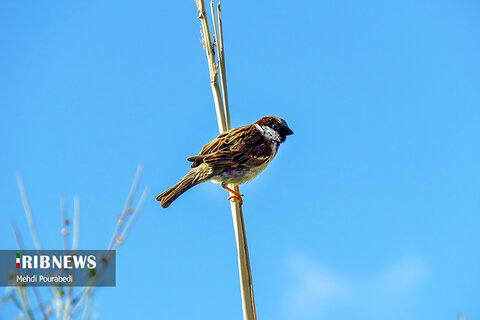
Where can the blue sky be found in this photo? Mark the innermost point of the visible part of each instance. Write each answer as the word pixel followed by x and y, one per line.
pixel 370 211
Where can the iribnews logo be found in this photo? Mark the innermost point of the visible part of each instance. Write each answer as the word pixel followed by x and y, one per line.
pixel 44 268
pixel 39 261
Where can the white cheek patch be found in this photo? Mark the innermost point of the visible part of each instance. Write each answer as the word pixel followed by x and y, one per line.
pixel 271 134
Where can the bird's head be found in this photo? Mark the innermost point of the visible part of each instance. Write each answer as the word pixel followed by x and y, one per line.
pixel 274 128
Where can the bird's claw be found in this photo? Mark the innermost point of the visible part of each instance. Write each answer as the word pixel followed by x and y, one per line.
pixel 237 196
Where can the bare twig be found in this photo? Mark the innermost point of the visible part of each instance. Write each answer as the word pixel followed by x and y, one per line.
pixel 16 302
pixel 17 235
pixel 82 298
pixel 130 223
pixel 66 307
pixel 65 222
pixel 86 311
pixel 127 209
pixel 223 118
pixel 76 223
pixel 35 291
pixel 76 236
pixel 23 294
pixel 28 212
pixel 123 236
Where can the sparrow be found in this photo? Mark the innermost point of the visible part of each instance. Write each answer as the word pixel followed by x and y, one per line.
pixel 234 157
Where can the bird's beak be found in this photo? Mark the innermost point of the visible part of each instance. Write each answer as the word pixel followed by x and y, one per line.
pixel 287 131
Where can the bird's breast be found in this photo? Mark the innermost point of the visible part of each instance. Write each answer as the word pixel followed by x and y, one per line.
pixel 239 175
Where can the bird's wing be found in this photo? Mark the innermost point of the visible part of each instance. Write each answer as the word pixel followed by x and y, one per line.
pixel 244 146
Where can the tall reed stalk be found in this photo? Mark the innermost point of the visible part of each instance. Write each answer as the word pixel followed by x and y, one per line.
pixel 223 117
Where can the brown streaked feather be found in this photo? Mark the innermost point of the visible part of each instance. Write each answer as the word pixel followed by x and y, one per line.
pixel 244 146
pixel 191 179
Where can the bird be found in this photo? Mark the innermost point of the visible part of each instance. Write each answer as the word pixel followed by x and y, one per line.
pixel 236 156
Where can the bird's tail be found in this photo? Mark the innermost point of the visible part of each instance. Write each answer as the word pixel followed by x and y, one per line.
pixel 195 176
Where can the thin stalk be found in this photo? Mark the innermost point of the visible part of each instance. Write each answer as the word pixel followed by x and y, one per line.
pixel 136 213
pixel 35 291
pixel 28 212
pixel 221 63
pixel 223 119
pixel 16 302
pixel 76 235
pixel 124 234
pixel 22 292
pixel 212 66
pixel 246 283
pixel 127 208
pixel 76 223
pixel 82 298
pixel 65 222
pixel 86 311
